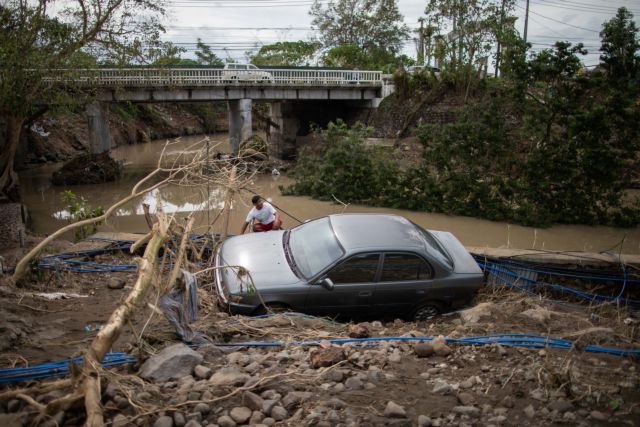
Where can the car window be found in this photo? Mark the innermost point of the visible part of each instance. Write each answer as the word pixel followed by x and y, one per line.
pixel 314 246
pixel 242 67
pixel 400 267
pixel 357 269
pixel 252 67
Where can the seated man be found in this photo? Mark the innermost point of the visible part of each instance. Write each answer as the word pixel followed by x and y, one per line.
pixel 266 216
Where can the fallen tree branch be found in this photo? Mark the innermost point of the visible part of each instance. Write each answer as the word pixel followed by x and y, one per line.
pixel 110 332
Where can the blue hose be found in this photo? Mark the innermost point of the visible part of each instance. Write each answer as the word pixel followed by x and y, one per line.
pixel 511 340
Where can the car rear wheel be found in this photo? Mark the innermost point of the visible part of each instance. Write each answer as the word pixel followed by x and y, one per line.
pixel 426 311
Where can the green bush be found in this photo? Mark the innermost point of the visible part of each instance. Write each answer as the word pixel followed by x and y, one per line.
pixel 347 169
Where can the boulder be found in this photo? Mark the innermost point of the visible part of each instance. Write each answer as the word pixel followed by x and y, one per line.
pixel 423 349
pixel 295 398
pixel 324 357
pixel 230 376
pixel 173 362
pixel 393 410
pixel 358 331
pixel 240 414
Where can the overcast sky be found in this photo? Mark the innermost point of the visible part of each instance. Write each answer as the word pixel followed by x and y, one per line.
pixel 240 25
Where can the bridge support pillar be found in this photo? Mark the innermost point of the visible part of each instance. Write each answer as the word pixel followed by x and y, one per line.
pixel 283 130
pixel 99 133
pixel 239 123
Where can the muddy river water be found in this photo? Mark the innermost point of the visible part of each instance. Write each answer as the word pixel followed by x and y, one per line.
pixel 48 212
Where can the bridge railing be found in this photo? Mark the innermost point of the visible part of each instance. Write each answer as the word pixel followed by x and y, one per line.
pixel 216 77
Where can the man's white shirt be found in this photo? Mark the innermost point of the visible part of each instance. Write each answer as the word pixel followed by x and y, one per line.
pixel 265 215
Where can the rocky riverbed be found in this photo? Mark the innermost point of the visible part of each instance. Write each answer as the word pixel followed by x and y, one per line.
pixel 388 382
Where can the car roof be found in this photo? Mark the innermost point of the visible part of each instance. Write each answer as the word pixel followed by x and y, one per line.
pixel 376 231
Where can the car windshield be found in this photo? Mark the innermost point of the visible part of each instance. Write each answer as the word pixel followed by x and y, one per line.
pixel 314 246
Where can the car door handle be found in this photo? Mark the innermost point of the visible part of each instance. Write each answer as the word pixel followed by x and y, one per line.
pixel 365 293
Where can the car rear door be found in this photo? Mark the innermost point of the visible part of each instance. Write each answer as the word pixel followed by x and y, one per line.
pixel 405 280
pixel 354 286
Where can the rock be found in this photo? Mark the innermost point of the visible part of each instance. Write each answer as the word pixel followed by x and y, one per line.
pixel 474 314
pixel 88 169
pixel 324 357
pixel 600 416
pixel 175 361
pixel 468 383
pixel 335 403
pixel 178 419
pixel 267 405
pixel 229 376
pixel 226 421
pixel 423 349
pixel 240 414
pixel 393 410
pixel 442 387
pixel 538 394
pixel 466 399
pixel 203 408
pixel 440 348
pixel 395 357
pixel 120 421
pixel 470 411
pixel 13 405
pixel 424 421
pixel 560 406
pixel 295 398
pixel 335 375
pixel 202 372
pixel 165 421
pixel 252 400
pixel 278 413
pixel 353 383
pixel 530 412
pixel 256 417
pixel 269 421
pixel 358 331
pixel 116 283
pixel 507 402
pixel 376 325
pixel 253 367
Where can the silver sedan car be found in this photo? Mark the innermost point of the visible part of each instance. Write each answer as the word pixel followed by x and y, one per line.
pixel 350 264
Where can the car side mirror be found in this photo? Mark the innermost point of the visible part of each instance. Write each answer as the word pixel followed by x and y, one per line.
pixel 327 284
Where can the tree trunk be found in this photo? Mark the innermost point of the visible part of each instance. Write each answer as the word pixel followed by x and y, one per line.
pixel 8 178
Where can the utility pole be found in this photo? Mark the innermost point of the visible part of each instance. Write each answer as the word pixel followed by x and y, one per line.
pixel 500 33
pixel 526 22
pixel 421 42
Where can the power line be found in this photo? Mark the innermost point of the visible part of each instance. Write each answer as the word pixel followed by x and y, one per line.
pixel 576 8
pixel 560 22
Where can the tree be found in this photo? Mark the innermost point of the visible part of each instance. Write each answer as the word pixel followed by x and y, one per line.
pixel 36 40
pixel 205 56
pixel 363 23
pixel 620 48
pixel 289 54
pixel 466 31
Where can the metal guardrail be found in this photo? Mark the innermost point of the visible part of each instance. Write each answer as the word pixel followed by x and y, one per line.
pixel 149 77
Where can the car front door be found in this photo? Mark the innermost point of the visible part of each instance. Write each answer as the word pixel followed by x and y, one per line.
pixel 353 290
pixel 405 280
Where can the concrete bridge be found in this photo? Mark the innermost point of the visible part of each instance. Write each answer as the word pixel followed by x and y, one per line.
pixel 288 91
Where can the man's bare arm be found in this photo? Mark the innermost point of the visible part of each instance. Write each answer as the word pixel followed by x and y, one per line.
pixel 244 227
